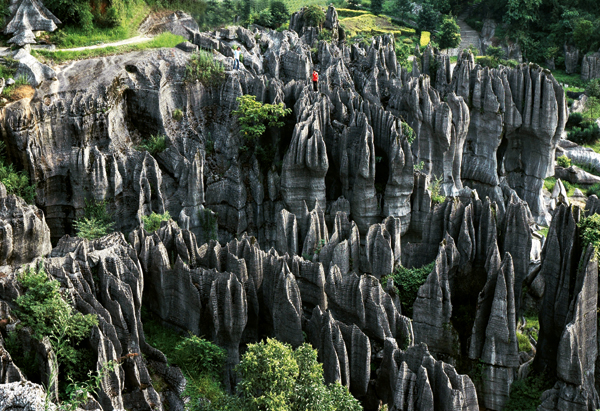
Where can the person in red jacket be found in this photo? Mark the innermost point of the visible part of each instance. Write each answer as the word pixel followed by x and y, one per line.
pixel 315 80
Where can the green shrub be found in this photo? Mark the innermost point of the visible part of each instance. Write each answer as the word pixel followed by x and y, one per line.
pixel 435 188
pixel 16 182
pixel 204 68
pixel 275 377
pixel 408 132
pixel 526 394
pixel 574 120
pixel 154 145
pixel 495 52
pixel 152 221
pixel 252 116
pixel 594 190
pixel 563 161
pixel 593 88
pixel 590 231
pixel 407 282
pixel 314 15
pixel 549 183
pixel 589 133
pixel 96 221
pixel 177 114
pixel 197 356
pixel 523 340
pixel 42 308
pixel 325 35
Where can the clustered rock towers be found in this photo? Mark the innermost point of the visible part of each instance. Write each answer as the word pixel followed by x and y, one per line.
pixel 305 241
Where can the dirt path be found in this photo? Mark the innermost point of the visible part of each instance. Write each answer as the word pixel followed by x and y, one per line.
pixel 132 40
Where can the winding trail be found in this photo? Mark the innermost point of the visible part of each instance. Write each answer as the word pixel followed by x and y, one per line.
pixel 131 40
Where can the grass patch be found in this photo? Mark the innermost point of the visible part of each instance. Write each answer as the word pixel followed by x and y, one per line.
pixel 163 40
pixel 572 80
pixel 369 24
pixel 70 37
pixel 549 183
pixel 204 68
pixel 544 231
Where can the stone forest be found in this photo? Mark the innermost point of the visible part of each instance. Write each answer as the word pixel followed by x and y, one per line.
pixel 236 205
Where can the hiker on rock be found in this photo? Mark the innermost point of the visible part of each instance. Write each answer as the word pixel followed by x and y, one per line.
pixel 315 80
pixel 236 58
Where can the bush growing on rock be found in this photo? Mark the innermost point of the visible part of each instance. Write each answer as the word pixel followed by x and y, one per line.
pixel 204 68
pixel 42 308
pixel 588 133
pixel 314 15
pixel 590 231
pixel 449 36
pixel 96 221
pixel 16 182
pixel 407 282
pixel 154 145
pixel 574 120
pixel 152 221
pixel 563 161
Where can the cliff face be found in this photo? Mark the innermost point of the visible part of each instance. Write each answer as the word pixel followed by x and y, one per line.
pixel 305 237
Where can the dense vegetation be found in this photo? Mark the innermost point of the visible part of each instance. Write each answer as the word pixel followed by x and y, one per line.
pixel 43 309
pixel 407 282
pixel 96 222
pixel 16 182
pixel 273 375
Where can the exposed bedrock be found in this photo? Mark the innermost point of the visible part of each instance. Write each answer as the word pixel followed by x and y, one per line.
pixel 568 342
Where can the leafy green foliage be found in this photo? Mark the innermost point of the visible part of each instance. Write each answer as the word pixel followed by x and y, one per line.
pixel 407 282
pixel 449 33
pixel 526 394
pixel 523 341
pixel 204 68
pixel 574 120
pixel 154 145
pixel 197 356
pixel 16 182
pixel 408 132
pixel 152 221
pixel 435 188
pixel 428 17
pixel 590 231
pixel 77 393
pixel 254 117
pixel 376 6
pixel 274 377
pixel 594 190
pixel 96 221
pixel 42 308
pixel 279 12
pixel 563 161
pixel 588 133
pixel 549 183
pixel 177 114
pixel 314 15
pixel 593 88
pixel 584 30
pixel 495 52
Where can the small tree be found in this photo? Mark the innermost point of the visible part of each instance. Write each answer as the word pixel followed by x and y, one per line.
pixel 449 35
pixel 402 8
pixel 376 6
pixel 279 13
pixel 314 15
pixel 428 17
pixel 275 377
pixel 254 116
pixel 495 52
pixel 582 34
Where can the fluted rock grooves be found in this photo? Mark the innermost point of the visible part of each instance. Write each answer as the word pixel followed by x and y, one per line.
pixel 305 242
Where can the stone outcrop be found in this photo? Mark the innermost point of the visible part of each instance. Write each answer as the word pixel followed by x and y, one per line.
pixel 26 17
pixel 590 67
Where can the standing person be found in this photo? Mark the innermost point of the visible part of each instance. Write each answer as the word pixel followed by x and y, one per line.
pixel 236 58
pixel 315 80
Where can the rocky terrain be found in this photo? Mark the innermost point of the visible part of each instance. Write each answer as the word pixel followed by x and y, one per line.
pixel 295 249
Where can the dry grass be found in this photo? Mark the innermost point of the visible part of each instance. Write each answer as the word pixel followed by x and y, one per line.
pixel 20 92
